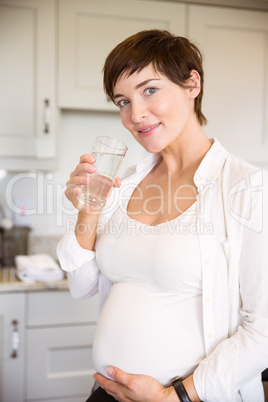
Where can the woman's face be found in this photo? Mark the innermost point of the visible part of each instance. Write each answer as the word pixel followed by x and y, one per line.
pixel 154 109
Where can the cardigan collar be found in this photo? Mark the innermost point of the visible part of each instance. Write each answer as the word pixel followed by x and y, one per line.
pixel 211 165
pixel 208 170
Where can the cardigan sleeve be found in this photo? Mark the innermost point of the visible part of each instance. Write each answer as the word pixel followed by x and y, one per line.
pixel 80 265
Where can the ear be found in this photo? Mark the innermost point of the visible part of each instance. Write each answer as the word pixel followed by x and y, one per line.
pixel 194 84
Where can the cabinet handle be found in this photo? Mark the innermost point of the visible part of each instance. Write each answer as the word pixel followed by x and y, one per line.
pixel 47 116
pixel 15 341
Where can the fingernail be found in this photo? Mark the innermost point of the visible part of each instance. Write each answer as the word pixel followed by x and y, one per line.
pixel 110 371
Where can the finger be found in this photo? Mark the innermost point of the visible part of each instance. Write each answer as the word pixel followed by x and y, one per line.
pixel 83 168
pixel 105 382
pixel 111 387
pixel 87 158
pixel 73 194
pixel 117 182
pixel 78 181
pixel 118 375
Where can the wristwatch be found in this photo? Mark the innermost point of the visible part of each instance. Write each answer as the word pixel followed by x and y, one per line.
pixel 180 390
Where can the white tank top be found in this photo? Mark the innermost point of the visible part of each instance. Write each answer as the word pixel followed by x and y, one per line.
pixel 152 320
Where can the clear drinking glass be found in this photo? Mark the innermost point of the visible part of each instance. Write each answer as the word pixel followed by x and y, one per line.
pixel 109 153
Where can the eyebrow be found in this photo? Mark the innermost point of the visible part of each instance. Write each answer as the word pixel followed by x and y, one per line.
pixel 139 85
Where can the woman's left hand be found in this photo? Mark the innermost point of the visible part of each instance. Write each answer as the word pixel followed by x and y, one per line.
pixel 134 387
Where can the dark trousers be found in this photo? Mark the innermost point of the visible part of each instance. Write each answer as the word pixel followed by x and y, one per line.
pixel 100 395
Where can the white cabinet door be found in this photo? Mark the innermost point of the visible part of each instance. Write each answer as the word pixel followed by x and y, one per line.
pixel 11 347
pixel 27 79
pixel 89 29
pixel 60 334
pixel 59 362
pixel 235 48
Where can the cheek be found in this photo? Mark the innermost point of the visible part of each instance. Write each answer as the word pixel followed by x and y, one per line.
pixel 125 120
pixel 163 108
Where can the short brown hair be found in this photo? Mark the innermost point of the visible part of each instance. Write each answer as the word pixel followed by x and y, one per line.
pixel 170 55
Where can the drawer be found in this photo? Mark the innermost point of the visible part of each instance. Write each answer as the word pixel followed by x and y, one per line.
pixel 59 362
pixel 59 308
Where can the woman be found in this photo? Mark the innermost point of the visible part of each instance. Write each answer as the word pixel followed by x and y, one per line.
pixel 178 253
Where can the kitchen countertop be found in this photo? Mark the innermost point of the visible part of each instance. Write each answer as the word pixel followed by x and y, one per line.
pixel 10 283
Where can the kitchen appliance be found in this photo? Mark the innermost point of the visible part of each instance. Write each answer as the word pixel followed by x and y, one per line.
pixel 13 242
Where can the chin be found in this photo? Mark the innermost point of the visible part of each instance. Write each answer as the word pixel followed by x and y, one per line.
pixel 152 146
pixel 153 149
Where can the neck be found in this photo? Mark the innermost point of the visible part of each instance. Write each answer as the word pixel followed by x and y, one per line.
pixel 186 152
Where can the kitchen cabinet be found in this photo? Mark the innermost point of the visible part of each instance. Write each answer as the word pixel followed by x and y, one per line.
pixel 88 31
pixel 27 84
pixel 11 347
pixel 54 360
pixel 60 332
pixel 235 48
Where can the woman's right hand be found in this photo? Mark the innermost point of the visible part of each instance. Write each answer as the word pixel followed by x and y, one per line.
pixel 79 177
pixel 86 225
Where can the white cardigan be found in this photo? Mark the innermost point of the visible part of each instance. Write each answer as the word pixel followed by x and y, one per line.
pixel 232 212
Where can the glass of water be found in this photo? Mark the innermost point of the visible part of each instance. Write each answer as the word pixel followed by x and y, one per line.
pixel 109 153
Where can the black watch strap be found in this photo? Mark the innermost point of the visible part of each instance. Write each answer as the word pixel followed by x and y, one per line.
pixel 180 390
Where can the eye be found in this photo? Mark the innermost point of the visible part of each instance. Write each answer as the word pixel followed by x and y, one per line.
pixel 150 91
pixel 122 103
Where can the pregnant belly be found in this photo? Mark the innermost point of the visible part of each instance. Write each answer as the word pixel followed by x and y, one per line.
pixel 140 331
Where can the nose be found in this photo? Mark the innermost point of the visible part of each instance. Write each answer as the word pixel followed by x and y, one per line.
pixel 138 111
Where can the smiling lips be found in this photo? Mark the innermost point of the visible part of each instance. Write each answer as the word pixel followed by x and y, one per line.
pixel 148 130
